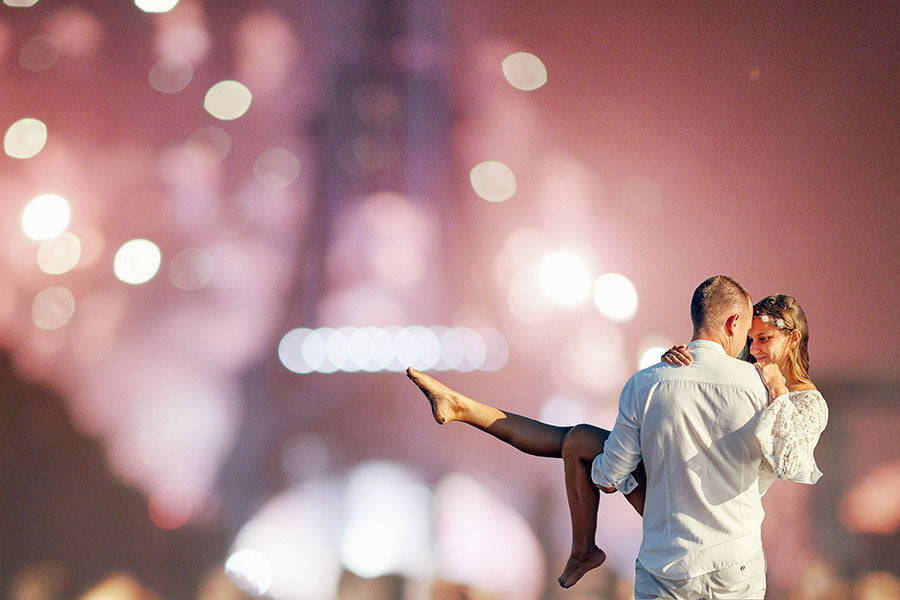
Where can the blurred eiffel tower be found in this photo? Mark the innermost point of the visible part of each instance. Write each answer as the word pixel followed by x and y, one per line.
pixel 382 126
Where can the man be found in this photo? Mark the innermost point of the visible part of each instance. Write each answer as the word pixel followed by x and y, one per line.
pixel 693 428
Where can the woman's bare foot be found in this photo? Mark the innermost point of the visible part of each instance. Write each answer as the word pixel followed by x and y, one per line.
pixel 446 404
pixel 576 567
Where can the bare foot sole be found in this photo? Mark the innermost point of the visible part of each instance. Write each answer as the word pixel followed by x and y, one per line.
pixel 576 567
pixel 444 401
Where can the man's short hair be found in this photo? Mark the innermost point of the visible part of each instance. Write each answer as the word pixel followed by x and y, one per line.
pixel 717 298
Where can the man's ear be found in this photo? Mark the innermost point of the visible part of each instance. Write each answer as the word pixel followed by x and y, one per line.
pixel 731 323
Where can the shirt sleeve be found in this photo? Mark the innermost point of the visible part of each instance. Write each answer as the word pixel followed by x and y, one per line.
pixel 788 431
pixel 622 450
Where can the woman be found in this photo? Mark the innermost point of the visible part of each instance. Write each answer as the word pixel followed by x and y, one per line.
pixel 787 430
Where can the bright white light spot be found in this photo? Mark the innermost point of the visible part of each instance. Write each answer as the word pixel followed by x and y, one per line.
pixel 428 345
pixel 384 349
pixel 407 351
pixel 20 3
pixel 137 261
pixel 191 269
pixel 388 522
pixel 493 181
pixel 227 100
pixel 276 168
pixel 336 348
pixel 53 307
pixel 351 349
pixel 25 138
pixel 60 254
pixel 452 350
pixel 564 278
pixel 314 350
pixel 208 145
pixel 290 350
pixel 524 71
pixel 473 348
pixel 360 348
pixel 155 6
pixel 170 74
pixel 251 570
pixel 615 296
pixel 45 217
pixel 651 356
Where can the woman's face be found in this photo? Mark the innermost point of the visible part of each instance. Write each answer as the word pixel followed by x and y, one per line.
pixel 768 343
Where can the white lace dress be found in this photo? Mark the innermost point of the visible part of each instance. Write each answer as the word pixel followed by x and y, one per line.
pixel 788 431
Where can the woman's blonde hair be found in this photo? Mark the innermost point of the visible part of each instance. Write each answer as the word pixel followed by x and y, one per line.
pixel 783 312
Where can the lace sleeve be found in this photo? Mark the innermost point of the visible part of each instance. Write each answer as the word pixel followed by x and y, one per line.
pixel 788 430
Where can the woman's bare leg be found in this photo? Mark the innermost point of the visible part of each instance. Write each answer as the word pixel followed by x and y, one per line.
pixel 577 446
pixel 527 435
pixel 581 445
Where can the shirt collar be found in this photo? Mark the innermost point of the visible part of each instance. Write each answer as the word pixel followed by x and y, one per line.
pixel 714 346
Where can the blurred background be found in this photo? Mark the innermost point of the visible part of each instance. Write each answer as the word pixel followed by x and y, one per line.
pixel 227 227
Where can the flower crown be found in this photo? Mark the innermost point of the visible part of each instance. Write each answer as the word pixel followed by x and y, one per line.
pixel 779 323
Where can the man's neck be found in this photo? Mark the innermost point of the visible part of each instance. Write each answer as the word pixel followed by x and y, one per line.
pixel 711 337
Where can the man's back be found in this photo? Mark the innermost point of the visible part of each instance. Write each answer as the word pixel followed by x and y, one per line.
pixel 702 509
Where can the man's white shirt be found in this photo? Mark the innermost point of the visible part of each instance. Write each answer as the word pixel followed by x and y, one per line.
pixel 693 427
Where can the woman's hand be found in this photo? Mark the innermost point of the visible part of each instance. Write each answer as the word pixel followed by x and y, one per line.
pixel 678 356
pixel 773 379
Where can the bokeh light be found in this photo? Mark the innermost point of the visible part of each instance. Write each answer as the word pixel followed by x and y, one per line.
pixel 53 307
pixel 39 53
pixel 565 277
pixel 227 100
pixel 118 586
pixel 25 138
pixel 251 570
pixel 276 168
pixel 184 34
pixel 564 410
pixel 483 542
pixel 872 504
pixel 20 3
pixel 651 356
pixel 137 261
pixel 208 145
pixel 524 71
pixel 45 217
pixel 191 269
pixel 351 349
pixel 60 254
pixel 78 32
pixel 170 74
pixel 493 181
pixel 615 297
pixel 166 513
pixel 387 528
pixel 156 6
pixel 292 544
pixel 593 358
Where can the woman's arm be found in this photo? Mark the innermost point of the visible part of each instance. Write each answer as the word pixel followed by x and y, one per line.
pixel 678 356
pixel 788 431
pixel 773 379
